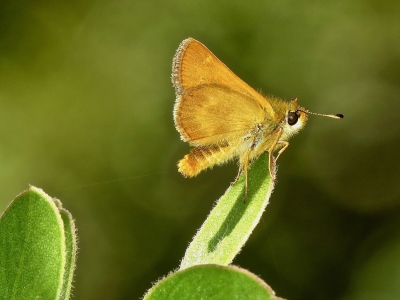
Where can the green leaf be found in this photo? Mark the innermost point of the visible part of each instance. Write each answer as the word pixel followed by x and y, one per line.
pixel 232 220
pixel 211 282
pixel 71 248
pixel 35 260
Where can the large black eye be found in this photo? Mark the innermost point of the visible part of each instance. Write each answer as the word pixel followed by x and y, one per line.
pixel 292 118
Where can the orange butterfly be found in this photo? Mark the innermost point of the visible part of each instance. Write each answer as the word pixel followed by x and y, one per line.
pixel 223 118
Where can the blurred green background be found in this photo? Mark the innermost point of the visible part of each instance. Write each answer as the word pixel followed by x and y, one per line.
pixel 86 114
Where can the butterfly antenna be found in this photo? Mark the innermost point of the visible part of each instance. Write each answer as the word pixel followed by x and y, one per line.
pixel 334 116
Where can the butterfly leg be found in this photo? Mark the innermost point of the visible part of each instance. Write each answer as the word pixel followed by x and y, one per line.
pixel 247 162
pixel 271 159
pixel 237 176
pixel 246 168
pixel 285 145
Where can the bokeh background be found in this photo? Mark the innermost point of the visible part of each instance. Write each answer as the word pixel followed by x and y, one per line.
pixel 86 114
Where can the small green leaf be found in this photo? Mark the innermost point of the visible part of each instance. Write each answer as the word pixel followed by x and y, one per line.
pixel 33 248
pixel 71 248
pixel 232 220
pixel 211 282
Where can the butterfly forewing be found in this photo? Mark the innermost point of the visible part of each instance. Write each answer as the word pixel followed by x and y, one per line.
pixel 195 65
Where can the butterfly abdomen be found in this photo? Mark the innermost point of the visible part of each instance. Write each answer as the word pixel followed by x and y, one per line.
pixel 201 158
